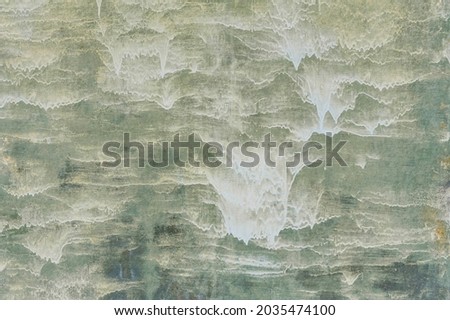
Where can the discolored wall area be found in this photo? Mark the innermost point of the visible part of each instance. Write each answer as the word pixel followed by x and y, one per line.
pixel 76 74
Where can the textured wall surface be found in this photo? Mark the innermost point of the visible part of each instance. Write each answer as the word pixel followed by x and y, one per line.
pixel 77 73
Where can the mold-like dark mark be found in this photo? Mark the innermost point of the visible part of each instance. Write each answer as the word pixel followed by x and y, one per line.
pixel 348 200
pixel 160 231
pixel 418 281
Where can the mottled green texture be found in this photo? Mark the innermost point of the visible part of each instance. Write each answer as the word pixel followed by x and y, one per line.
pixel 75 74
